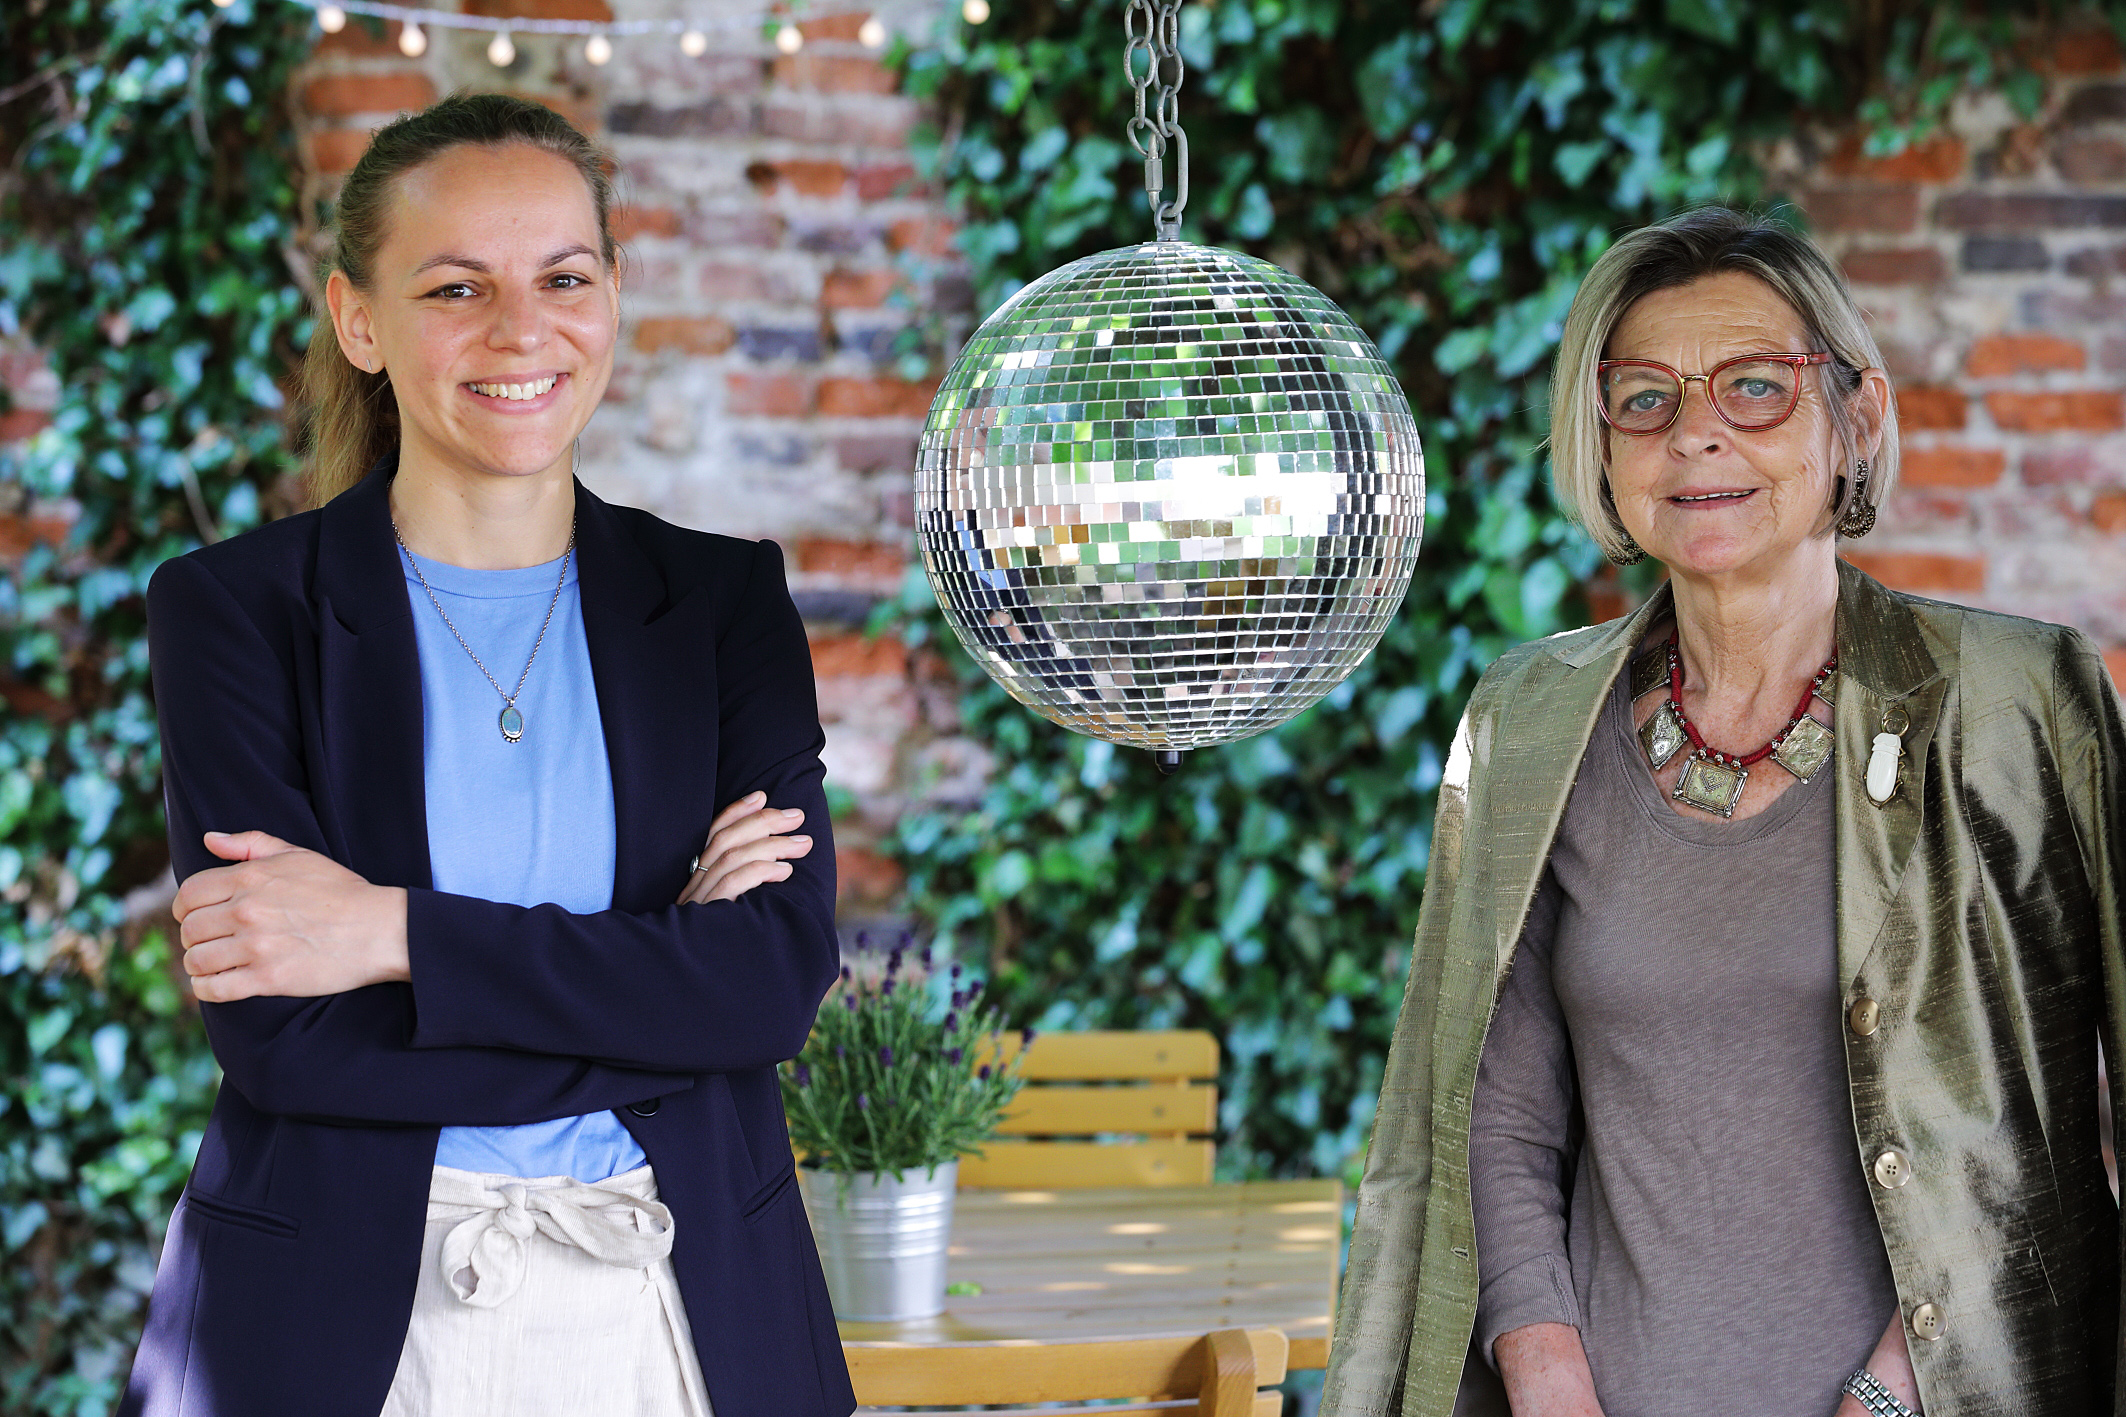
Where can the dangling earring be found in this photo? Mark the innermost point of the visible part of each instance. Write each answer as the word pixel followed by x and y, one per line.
pixel 1631 554
pixel 1859 519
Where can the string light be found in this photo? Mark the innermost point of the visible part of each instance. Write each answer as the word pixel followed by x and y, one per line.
pixel 789 39
pixel 224 4
pixel 598 49
pixel 871 34
pixel 974 11
pixel 413 40
pixel 500 51
pixel 331 19
pixel 693 44
pixel 692 35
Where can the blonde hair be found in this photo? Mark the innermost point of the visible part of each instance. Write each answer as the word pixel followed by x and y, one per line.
pixel 1688 247
pixel 354 419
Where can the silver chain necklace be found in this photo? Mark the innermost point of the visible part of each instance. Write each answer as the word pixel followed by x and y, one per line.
pixel 512 720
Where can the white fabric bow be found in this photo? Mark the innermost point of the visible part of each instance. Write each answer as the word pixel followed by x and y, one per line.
pixel 484 1256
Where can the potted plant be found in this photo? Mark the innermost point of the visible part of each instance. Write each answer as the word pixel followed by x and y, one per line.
pixel 899 1079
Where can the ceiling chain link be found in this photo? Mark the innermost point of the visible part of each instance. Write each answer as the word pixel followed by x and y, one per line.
pixel 1152 59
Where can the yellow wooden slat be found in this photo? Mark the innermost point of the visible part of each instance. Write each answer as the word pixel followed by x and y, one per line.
pixel 1074 1164
pixel 966 1373
pixel 1089 1111
pixel 1119 1055
pixel 1267 1404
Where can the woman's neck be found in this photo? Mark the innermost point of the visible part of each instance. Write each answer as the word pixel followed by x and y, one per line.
pixel 483 521
pixel 1742 637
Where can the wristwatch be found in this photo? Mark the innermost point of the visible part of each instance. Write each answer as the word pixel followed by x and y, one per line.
pixel 1869 1391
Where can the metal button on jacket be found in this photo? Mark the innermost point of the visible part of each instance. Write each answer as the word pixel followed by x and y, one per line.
pixel 1927 1321
pixel 649 1108
pixel 1892 1169
pixel 1865 1016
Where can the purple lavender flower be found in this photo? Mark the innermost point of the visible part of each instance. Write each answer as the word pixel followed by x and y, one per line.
pixel 849 1002
pixel 952 1056
pixel 957 971
pixel 893 962
pixel 841 1050
pixel 885 1057
pixel 952 1022
pixel 1026 1038
pixel 886 987
pixel 983 1072
pixel 863 1103
pixel 847 974
pixel 803 1075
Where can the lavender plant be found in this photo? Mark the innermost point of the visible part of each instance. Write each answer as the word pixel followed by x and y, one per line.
pixel 894 1079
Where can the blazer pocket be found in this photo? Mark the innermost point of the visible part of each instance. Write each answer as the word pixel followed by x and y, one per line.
pixel 228 1212
pixel 764 1199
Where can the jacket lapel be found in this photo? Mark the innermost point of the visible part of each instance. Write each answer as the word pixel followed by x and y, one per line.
pixel 653 659
pixel 1884 660
pixel 370 735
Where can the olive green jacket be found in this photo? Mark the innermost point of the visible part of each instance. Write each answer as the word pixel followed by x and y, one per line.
pixel 1982 910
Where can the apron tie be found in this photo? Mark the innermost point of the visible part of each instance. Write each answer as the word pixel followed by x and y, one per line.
pixel 484 1256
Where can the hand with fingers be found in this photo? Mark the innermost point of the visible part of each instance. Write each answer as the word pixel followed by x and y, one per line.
pixel 749 845
pixel 286 921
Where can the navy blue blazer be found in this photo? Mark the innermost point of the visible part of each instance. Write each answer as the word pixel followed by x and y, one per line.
pixel 289 693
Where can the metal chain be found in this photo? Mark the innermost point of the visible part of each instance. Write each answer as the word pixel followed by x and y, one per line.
pixel 509 700
pixel 1153 28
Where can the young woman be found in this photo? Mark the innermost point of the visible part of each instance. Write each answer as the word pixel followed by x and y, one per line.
pixel 499 1131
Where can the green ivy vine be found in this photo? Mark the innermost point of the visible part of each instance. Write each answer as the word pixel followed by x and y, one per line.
pixel 1447 172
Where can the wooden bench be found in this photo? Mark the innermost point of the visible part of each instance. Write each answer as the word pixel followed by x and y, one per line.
pixel 1216 1375
pixel 1144 1094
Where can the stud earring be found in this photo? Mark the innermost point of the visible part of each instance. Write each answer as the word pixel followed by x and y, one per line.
pixel 1859 519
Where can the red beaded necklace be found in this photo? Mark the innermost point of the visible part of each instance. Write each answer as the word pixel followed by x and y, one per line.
pixel 1712 781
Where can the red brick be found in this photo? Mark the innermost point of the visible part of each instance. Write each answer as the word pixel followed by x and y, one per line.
pixel 1951 466
pixel 596 10
pixel 735 282
pixel 343 95
pixel 876 452
pixel 631 222
pixel 857 290
pixel 337 149
pixel 2029 211
pixel 1904 265
pixel 18 533
pixel 924 235
pixel 688 335
pixel 2111 355
pixel 1921 570
pixel 810 176
pixel 356 41
pixel 587 116
pixel 846 26
pixel 860 560
pixel 2089 51
pixel 865 876
pixel 2108 511
pixel 2081 157
pixel 886 180
pixel 875 398
pixel 2091 410
pixel 834 73
pixel 1920 406
pixel 22 423
pixel 859 656
pixel 1994 356
pixel 1938 159
pixel 777 395
pixel 2115 661
pixel 799 118
pixel 2077 466
pixel 1875 206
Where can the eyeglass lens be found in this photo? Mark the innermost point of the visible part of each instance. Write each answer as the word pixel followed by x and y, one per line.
pixel 1750 394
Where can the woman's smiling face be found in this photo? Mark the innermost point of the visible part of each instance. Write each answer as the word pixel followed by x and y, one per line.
pixel 491 308
pixel 1700 496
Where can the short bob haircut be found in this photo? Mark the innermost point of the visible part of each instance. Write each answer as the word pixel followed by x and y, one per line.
pixel 1705 242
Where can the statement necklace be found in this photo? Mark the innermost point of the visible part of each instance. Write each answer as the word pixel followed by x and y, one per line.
pixel 512 720
pixel 1712 781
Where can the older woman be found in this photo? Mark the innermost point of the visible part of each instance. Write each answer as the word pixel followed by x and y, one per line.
pixel 1748 1059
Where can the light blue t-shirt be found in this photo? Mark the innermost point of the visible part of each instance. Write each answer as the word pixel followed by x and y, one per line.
pixel 527 823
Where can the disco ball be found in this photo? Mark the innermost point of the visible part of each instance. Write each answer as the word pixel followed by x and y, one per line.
pixel 1169 496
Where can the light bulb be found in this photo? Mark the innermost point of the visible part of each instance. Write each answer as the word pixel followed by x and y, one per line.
pixel 871 34
pixel 974 11
pixel 598 49
pixel 693 44
pixel 500 52
pixel 413 40
pixel 224 4
pixel 789 39
pixel 331 19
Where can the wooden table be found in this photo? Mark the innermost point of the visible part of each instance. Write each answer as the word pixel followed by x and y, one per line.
pixel 1138 1262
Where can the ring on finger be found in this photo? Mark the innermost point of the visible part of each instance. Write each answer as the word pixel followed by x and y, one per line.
pixel 694 866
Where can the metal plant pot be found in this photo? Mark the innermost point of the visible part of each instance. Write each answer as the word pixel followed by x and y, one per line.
pixel 882 1241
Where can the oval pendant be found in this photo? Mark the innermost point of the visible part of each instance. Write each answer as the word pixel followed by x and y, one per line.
pixel 512 723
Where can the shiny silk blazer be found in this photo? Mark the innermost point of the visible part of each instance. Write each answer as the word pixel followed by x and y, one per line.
pixel 1981 908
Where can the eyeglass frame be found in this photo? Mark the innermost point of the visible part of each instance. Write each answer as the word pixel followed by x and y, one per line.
pixel 1797 362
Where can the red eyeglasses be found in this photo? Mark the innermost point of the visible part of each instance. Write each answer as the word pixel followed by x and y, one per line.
pixel 1751 394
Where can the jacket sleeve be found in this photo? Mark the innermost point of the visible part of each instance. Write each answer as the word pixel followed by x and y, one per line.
pixel 2089 736
pixel 1371 1350
pixel 233 760
pixel 718 987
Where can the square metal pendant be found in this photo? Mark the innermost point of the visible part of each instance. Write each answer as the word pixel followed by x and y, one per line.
pixel 1662 736
pixel 1828 690
pixel 1710 787
pixel 1649 672
pixel 1805 749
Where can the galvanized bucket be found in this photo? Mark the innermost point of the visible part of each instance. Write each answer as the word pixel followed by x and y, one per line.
pixel 882 1241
